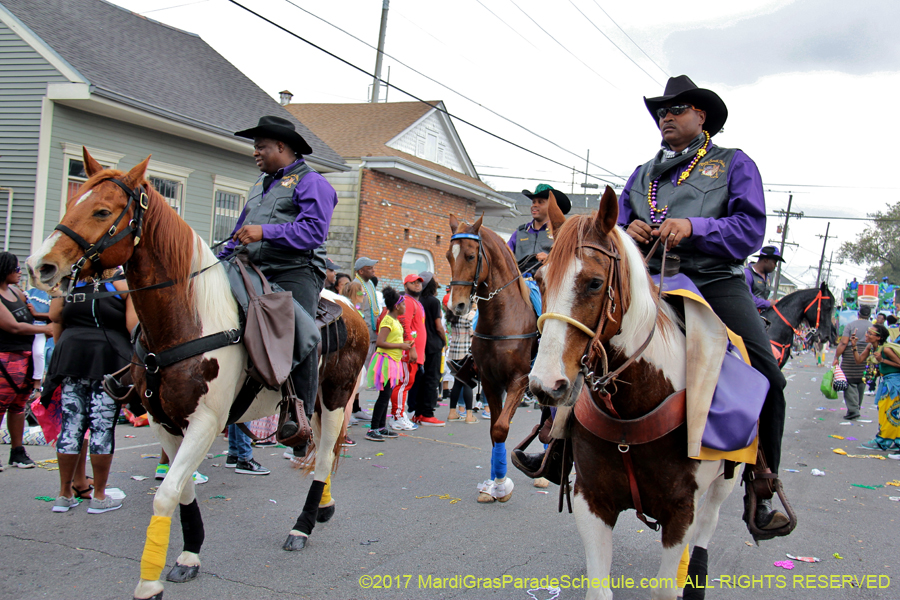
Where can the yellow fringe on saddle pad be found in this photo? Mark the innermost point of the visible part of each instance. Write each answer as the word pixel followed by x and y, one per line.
pixel 153 560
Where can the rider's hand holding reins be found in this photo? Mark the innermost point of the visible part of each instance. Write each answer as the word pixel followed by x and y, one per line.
pixel 673 231
pixel 249 234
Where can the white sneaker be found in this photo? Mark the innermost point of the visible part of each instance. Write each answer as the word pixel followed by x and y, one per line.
pixel 409 425
pixel 894 456
pixel 354 421
pixel 363 415
pixel 398 424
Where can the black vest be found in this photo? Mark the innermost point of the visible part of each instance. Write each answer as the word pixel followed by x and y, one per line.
pixel 703 194
pixel 760 287
pixel 530 243
pixel 274 208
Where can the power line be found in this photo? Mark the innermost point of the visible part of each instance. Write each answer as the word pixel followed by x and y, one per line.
pixel 840 187
pixel 631 40
pixel 523 178
pixel 879 219
pixel 563 47
pixel 146 12
pixel 411 95
pixel 446 87
pixel 514 30
pixel 613 43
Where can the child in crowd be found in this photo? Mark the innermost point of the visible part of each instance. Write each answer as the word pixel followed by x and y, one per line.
pixel 386 370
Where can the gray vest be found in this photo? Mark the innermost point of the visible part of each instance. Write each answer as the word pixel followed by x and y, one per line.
pixel 703 194
pixel 274 208
pixel 759 288
pixel 529 243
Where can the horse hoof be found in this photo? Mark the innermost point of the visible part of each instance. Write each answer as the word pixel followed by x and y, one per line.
pixel 325 513
pixel 486 498
pixel 294 542
pixel 154 597
pixel 505 498
pixel 182 573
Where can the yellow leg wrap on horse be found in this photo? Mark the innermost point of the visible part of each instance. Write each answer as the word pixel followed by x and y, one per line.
pixel 153 560
pixel 681 578
pixel 326 493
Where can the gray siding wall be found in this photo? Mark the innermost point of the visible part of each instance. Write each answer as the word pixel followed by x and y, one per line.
pixel 78 127
pixel 24 75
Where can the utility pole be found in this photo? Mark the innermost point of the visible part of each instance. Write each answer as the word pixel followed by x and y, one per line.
pixel 822 258
pixel 572 190
pixel 376 83
pixel 784 231
pixel 587 163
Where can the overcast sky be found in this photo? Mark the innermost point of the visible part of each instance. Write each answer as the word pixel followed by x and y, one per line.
pixel 806 83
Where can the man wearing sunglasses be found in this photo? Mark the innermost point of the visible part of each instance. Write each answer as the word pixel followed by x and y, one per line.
pixel 707 203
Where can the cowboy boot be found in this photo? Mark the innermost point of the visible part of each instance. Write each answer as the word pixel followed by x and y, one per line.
pixel 768 518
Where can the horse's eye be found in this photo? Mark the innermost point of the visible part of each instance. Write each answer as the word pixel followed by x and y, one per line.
pixel 102 213
pixel 470 257
pixel 595 284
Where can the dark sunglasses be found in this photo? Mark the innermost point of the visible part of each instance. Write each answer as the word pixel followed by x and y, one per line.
pixel 18 269
pixel 675 110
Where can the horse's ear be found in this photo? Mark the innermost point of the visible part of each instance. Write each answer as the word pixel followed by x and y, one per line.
pixel 608 213
pixel 477 224
pixel 557 218
pixel 136 175
pixel 91 166
pixel 454 223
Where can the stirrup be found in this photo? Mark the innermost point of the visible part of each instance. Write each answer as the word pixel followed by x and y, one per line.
pixel 551 467
pixel 767 534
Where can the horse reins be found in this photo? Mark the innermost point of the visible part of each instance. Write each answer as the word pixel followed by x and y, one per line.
pixel 817 300
pixel 474 297
pixel 595 352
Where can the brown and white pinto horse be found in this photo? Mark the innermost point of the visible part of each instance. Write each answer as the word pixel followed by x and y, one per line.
pixel 484 269
pixel 596 280
pixel 197 393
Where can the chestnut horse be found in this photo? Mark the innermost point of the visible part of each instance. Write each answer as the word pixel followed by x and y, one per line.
pixel 814 306
pixel 197 393
pixel 595 280
pixel 484 270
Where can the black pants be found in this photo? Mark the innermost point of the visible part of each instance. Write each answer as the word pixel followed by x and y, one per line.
pixel 379 413
pixel 730 299
pixel 427 394
pixel 304 284
pixel 460 389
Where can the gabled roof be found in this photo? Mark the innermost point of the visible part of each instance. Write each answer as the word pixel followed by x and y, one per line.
pixel 364 130
pixel 142 63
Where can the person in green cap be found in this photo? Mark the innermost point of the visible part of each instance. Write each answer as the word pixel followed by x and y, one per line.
pixel 532 241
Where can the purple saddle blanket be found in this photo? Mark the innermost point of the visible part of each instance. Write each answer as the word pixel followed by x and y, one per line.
pixel 740 391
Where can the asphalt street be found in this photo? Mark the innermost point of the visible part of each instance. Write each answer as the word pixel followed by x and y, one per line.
pixel 406 510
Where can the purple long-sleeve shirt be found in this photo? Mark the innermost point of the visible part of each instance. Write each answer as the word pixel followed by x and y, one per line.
pixel 761 303
pixel 735 236
pixel 316 200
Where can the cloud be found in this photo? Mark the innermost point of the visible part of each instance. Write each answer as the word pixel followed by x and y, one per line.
pixel 809 35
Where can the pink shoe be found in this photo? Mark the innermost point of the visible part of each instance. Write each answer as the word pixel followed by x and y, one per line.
pixel 430 422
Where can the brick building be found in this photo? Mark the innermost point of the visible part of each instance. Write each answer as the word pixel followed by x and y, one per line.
pixel 409 171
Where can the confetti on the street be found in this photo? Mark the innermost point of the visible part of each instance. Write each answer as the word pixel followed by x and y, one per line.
pixel 218 497
pixel 441 497
pixel 792 470
pixel 139 477
pixel 541 492
pixel 866 487
pixel 379 466
pixel 817 473
pixel 380 454
pixel 149 455
pixel 838 556
pixel 837 437
pixel 784 564
pixel 273 501
pixel 895 483
pixel 840 451
pixel 45 498
pixel 129 436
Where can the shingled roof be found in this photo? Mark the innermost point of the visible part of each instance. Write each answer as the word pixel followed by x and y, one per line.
pixel 363 130
pixel 142 63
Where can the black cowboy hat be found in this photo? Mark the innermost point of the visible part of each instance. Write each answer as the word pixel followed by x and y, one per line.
pixel 682 89
pixel 543 191
pixel 279 129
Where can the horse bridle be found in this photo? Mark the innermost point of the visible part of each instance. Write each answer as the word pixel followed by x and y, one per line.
pixel 113 236
pixel 594 352
pixel 474 297
pixel 818 301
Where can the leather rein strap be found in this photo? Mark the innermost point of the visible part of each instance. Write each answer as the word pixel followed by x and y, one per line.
pixel 817 300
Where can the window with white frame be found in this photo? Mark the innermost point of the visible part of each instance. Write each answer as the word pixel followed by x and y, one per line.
pixel 73 168
pixel 415 261
pixel 170 181
pixel 229 197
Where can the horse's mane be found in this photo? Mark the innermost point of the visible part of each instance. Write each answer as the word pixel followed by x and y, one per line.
pixel 171 237
pixel 497 243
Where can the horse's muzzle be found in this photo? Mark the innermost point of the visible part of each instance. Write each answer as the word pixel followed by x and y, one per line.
pixel 556 395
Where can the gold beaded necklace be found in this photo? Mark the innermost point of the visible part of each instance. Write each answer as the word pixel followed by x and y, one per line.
pixel 658 215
